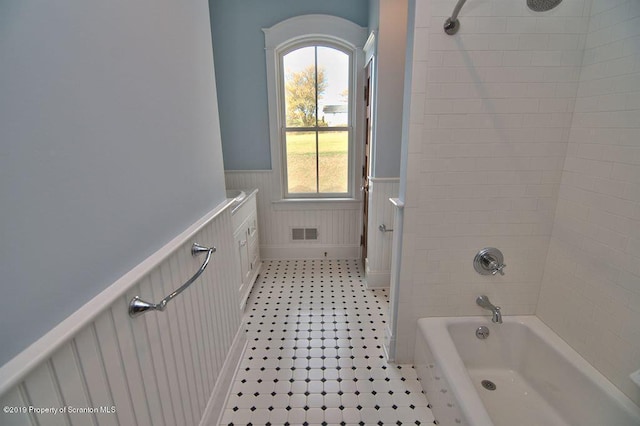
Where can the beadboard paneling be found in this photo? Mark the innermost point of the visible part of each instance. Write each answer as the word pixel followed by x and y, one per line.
pixel 379 243
pixel 339 224
pixel 160 368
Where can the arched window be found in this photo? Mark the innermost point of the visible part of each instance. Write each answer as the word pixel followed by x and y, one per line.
pixel 317 130
pixel 313 111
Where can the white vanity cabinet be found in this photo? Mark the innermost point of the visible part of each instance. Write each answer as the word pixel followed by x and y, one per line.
pixel 245 225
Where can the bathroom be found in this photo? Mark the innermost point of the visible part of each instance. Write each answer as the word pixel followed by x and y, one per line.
pixel 519 132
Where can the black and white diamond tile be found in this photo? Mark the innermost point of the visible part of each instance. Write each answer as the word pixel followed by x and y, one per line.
pixel 315 356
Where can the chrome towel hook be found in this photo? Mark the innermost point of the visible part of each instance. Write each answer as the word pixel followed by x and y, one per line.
pixel 383 228
pixel 138 306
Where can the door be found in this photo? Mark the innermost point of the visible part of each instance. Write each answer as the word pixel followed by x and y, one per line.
pixel 243 254
pixel 368 88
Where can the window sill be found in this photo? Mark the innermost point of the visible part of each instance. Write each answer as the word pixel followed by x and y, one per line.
pixel 320 203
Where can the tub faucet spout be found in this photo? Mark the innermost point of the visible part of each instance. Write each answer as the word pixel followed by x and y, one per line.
pixel 484 302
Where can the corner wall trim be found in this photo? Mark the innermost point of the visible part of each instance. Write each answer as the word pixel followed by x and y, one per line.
pixel 377 279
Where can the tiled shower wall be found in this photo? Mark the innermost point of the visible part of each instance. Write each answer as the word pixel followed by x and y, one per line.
pixel 591 287
pixel 491 110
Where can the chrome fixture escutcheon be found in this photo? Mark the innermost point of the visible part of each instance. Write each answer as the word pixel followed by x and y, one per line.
pixel 482 332
pixel 489 261
pixel 452 25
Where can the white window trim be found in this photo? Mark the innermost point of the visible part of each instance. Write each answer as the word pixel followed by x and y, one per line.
pixel 295 31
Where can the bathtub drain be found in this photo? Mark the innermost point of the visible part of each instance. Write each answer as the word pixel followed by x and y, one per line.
pixel 488 385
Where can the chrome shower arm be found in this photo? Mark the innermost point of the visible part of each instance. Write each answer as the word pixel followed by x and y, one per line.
pixel 456 10
pixel 452 25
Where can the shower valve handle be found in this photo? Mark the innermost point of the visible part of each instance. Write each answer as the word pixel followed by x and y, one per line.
pixel 498 268
pixel 489 261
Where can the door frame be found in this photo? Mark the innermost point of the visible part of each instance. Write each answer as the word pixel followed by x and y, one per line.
pixel 367 154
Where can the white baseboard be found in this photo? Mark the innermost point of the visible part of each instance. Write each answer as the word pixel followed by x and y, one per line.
pixel 377 279
pixel 218 400
pixel 309 252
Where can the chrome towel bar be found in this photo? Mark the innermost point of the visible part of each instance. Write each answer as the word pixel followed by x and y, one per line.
pixel 138 306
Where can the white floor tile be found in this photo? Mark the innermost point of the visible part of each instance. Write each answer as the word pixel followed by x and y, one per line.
pixel 315 353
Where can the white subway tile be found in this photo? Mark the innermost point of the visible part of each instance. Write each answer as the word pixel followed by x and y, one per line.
pixel 631 46
pixel 503 42
pixel 422 13
pixel 632 101
pixel 499 101
pixel 421 42
pixel 533 42
pixel 468 106
pixel 508 8
pixel 561 74
pixel 626 172
pixel 442 74
pixel 632 192
pixel 592 168
pixel 517 58
pixel 564 42
pixel 417 108
pixel 555 105
pixel 419 77
pixel 488 25
pixel 547 58
pixel 546 163
pixel 607 186
pixel 572 58
pixel 522 25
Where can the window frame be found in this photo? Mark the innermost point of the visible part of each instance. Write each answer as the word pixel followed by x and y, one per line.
pixel 285 50
pixel 292 34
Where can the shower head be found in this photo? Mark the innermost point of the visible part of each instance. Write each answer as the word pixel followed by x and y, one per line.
pixel 452 25
pixel 542 5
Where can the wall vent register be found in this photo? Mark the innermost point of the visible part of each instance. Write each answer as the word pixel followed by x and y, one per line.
pixel 303 234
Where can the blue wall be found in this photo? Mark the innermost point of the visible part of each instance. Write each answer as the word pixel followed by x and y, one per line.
pixel 374 15
pixel 238 47
pixel 109 148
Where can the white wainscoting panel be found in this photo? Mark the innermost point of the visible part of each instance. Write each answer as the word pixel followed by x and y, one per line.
pixel 378 262
pixel 339 223
pixel 161 368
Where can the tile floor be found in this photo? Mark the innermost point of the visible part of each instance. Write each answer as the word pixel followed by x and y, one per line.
pixel 315 356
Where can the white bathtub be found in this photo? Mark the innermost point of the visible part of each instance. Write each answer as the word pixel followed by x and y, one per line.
pixel 539 379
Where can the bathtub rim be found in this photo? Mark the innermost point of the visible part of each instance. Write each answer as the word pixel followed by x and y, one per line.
pixel 460 384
